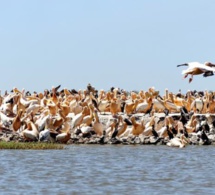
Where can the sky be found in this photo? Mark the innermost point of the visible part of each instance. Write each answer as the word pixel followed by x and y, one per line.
pixel 133 45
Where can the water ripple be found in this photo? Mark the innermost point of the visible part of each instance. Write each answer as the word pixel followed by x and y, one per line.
pixel 108 170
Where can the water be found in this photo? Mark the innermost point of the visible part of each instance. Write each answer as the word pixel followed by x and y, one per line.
pixel 109 169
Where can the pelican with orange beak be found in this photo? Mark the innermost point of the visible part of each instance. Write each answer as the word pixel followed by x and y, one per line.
pixel 196 68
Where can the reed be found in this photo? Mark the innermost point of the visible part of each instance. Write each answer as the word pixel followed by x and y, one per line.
pixel 30 146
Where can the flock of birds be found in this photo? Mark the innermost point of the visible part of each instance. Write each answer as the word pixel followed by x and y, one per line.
pixel 196 68
pixel 60 115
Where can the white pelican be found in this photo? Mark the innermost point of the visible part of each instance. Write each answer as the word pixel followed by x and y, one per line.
pixel 103 105
pixel 63 137
pixel 17 121
pixel 42 120
pixel 178 142
pixel 197 105
pixel 65 134
pixel 77 119
pixel 118 127
pixel 111 127
pixel 5 119
pixel 123 127
pixel 210 123
pixel 31 133
pixel 86 129
pixel 196 68
pixel 144 106
pixel 97 125
pixel 45 136
pixel 158 105
pixel 33 108
pixel 130 107
pixel 149 127
pixel 137 127
pixel 87 120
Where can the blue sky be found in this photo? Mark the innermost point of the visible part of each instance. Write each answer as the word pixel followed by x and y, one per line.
pixel 128 44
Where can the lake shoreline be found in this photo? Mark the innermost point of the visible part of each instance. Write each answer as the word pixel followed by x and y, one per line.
pixel 78 139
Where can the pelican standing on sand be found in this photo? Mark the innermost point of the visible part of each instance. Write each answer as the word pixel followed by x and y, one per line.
pixel 196 68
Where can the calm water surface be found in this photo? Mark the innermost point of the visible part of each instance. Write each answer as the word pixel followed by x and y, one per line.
pixel 87 169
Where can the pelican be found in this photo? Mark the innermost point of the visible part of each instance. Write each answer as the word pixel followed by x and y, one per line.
pixel 17 121
pixel 149 127
pixel 54 97
pixel 111 127
pixel 144 106
pixel 130 107
pixel 65 109
pixel 197 105
pixel 86 129
pixel 114 106
pixel 97 125
pixel 75 107
pixel 120 127
pixel 180 142
pixel 210 123
pixel 162 132
pixel 137 127
pixel 123 127
pixel 8 106
pixel 87 120
pixel 77 120
pixel 53 109
pixel 196 68
pixel 63 137
pixel 23 102
pixel 5 119
pixel 33 108
pixel 66 92
pixel 31 133
pixel 103 105
pixel 65 134
pixel 158 105
pixel 115 103
pixel 47 136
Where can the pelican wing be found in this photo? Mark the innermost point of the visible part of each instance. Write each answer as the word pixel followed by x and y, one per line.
pixel 196 65
pixel 206 68
pixel 209 64
pixel 203 67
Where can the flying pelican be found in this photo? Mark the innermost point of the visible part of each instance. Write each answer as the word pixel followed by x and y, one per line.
pixel 196 68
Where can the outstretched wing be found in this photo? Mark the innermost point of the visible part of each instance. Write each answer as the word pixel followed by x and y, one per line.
pixel 209 64
pixel 182 65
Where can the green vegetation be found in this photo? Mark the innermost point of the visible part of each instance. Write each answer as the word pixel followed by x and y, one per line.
pixel 30 146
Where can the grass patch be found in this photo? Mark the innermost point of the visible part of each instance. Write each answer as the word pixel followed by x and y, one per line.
pixel 30 146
